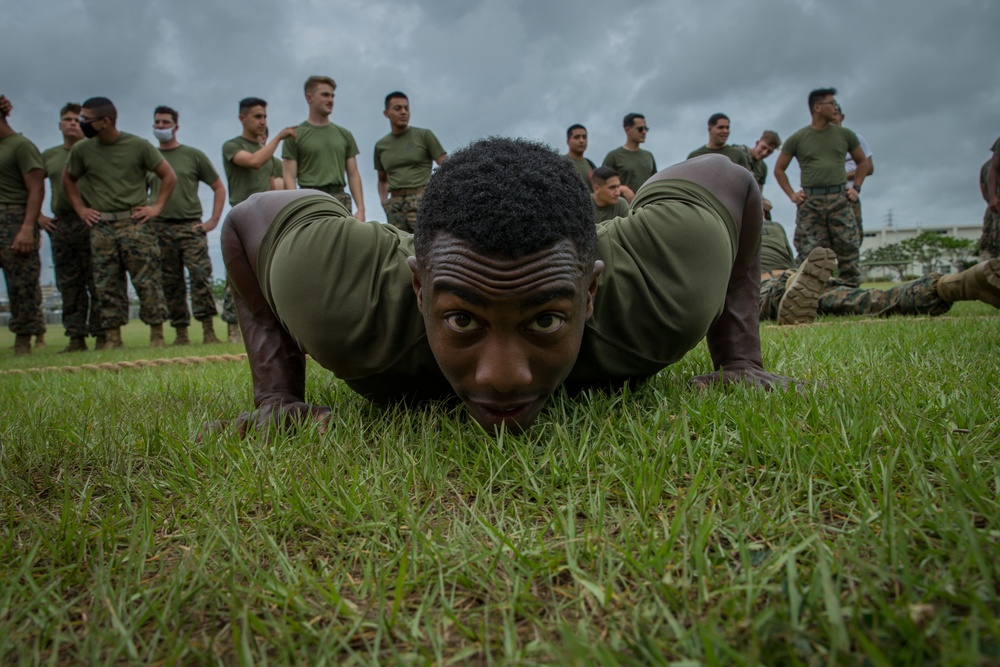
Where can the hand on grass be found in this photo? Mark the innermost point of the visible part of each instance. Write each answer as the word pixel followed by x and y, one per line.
pixel 749 375
pixel 271 415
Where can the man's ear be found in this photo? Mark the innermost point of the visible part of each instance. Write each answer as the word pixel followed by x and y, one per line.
pixel 592 288
pixel 415 270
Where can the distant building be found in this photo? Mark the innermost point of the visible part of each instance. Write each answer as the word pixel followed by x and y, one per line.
pixel 876 238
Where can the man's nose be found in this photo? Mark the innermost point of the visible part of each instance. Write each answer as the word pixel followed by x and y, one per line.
pixel 503 366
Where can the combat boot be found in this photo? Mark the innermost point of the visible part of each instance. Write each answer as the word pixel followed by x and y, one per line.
pixel 112 339
pixel 100 340
pixel 156 335
pixel 980 283
pixel 800 304
pixel 182 336
pixel 234 333
pixel 208 324
pixel 76 344
pixel 40 341
pixel 22 345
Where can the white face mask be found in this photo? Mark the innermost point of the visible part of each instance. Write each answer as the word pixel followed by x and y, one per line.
pixel 163 135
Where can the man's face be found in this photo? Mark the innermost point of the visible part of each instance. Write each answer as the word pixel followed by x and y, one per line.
pixel 398 113
pixel 505 332
pixel 609 192
pixel 577 142
pixel 255 121
pixel 838 117
pixel 761 150
pixel 163 121
pixel 638 131
pixel 826 108
pixel 320 100
pixel 69 125
pixel 718 134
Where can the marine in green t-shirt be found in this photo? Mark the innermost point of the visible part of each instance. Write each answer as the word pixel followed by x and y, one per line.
pixel 633 164
pixel 497 309
pixel 403 160
pixel 825 217
pixel 22 188
pixel 775 250
pixel 322 155
pixel 576 142
pixel 606 195
pixel 247 161
pixel 768 143
pixel 105 181
pixel 70 236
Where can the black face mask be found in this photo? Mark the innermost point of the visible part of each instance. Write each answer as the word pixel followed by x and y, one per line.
pixel 87 127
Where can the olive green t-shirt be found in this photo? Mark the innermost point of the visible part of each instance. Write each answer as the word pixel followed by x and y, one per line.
pixel 633 167
pixel 55 161
pixel 243 181
pixel 112 177
pixel 757 167
pixel 775 252
pixel 277 170
pixel 407 158
pixel 18 156
pixel 996 146
pixel 821 154
pixel 322 152
pixel 734 153
pixel 192 167
pixel 603 213
pixel 583 167
pixel 343 291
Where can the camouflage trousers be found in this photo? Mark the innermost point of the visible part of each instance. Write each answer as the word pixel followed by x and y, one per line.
pixel 337 192
pixel 184 246
pixel 81 314
pixel 916 297
pixel 827 221
pixel 401 211
pixel 989 242
pixel 229 306
pixel 856 207
pixel 22 274
pixel 127 246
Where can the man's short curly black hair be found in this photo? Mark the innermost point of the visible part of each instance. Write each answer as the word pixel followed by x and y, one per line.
pixel 507 198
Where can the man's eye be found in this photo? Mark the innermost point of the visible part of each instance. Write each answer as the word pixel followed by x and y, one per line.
pixel 547 323
pixel 462 322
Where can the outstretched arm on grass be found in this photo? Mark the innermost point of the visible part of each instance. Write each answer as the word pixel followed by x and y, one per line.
pixel 277 365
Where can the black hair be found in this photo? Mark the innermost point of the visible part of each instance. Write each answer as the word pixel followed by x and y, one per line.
pixel 714 119
pixel 577 126
pixel 630 119
pixel 507 198
pixel 166 110
pixel 602 174
pixel 393 94
pixel 248 103
pixel 102 107
pixel 818 94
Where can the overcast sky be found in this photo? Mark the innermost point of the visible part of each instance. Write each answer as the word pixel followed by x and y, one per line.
pixel 919 80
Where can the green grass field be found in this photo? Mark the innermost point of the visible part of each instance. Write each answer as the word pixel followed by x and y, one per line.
pixel 854 522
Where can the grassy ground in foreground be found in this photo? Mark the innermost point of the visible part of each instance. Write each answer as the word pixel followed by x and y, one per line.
pixel 854 521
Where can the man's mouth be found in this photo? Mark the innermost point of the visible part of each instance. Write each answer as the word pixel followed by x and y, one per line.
pixel 515 416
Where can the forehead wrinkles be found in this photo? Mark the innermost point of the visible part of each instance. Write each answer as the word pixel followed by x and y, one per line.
pixel 502 276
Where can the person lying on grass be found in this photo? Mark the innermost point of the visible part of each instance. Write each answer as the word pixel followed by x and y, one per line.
pixel 505 292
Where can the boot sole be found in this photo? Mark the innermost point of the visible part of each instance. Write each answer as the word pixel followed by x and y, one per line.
pixel 800 303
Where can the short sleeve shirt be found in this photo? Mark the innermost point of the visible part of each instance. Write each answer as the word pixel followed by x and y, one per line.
pixel 407 158
pixel 277 171
pixel 821 154
pixel 55 161
pixel 775 252
pixel 244 181
pixel 192 167
pixel 616 210
pixel 734 153
pixel 583 167
pixel 18 156
pixel 633 167
pixel 112 177
pixel 322 152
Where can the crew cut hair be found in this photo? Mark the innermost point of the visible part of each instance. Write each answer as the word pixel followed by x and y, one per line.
pixel 102 107
pixel 602 174
pixel 162 109
pixel 714 119
pixel 316 80
pixel 70 107
pixel 394 94
pixel 507 198
pixel 248 103
pixel 576 126
pixel 818 94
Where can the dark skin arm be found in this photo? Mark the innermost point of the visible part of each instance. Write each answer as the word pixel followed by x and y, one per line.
pixel 734 338
pixel 277 365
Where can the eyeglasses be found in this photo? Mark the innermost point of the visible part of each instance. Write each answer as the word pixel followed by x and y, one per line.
pixel 83 119
pixel 642 128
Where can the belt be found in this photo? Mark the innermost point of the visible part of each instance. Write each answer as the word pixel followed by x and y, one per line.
pixel 328 189
pixel 832 190
pixel 402 192
pixel 12 207
pixel 116 216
